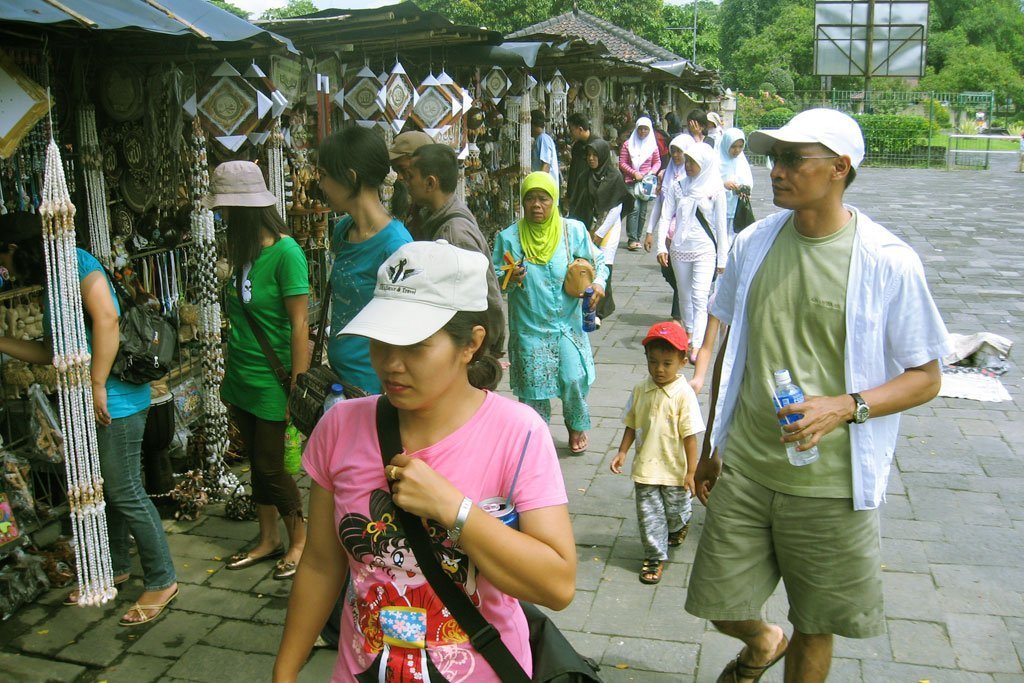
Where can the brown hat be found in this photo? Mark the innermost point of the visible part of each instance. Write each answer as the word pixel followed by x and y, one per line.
pixel 407 143
pixel 238 183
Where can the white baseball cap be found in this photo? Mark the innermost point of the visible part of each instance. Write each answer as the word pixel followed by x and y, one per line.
pixel 831 128
pixel 421 287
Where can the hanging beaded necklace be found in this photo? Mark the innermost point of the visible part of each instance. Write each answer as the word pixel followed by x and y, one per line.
pixel 95 185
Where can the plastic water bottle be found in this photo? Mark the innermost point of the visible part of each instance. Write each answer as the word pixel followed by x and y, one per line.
pixel 337 395
pixel 785 393
pixel 292 449
pixel 589 312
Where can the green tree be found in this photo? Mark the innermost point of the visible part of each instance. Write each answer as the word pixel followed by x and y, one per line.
pixel 743 19
pixel 785 44
pixel 681 41
pixel 294 8
pixel 237 11
pixel 978 68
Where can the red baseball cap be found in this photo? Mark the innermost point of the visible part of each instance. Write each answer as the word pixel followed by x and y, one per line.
pixel 671 332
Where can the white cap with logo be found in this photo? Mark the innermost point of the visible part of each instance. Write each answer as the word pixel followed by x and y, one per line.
pixel 828 127
pixel 421 287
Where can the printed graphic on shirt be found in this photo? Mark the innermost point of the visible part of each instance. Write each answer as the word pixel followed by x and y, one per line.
pixel 402 623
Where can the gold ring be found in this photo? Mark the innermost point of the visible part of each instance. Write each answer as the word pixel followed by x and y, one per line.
pixel 391 472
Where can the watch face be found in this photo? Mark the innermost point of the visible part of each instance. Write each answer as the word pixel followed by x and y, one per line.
pixel 862 412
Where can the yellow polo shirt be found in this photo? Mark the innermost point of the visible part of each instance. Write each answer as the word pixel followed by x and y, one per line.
pixel 662 418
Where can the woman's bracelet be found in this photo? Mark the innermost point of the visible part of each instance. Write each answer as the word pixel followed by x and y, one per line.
pixel 460 520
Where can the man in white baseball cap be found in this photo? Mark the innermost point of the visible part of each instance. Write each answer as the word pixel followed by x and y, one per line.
pixel 841 303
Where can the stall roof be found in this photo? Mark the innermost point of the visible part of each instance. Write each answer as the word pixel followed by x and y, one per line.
pixel 128 18
pixel 400 27
pixel 619 42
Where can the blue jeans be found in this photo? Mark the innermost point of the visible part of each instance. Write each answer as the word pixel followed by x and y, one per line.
pixel 129 509
pixel 636 221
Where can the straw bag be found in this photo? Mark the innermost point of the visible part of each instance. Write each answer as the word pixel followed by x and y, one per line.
pixel 579 274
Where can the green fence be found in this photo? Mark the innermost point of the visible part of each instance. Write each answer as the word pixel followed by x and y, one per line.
pixel 901 129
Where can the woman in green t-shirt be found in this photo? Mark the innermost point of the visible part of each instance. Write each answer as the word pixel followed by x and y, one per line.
pixel 268 297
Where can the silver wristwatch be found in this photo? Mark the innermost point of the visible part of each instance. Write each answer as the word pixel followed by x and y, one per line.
pixel 861 411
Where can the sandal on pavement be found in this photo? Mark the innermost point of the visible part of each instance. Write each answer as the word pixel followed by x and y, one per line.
pixel 581 442
pixel 650 571
pixel 73 601
pixel 676 538
pixel 244 559
pixel 633 246
pixel 285 570
pixel 736 670
pixel 142 609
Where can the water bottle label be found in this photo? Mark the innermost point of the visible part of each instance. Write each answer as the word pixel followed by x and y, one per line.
pixel 796 397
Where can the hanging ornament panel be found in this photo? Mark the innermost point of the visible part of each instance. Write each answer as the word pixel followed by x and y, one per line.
pixel 363 99
pixel 399 94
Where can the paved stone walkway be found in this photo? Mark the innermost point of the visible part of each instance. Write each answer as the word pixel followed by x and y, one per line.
pixel 953 527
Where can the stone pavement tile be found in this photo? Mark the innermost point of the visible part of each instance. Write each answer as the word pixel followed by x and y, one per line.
pixel 610 674
pixel 222 527
pixel 619 603
pixel 232 634
pixel 590 566
pixel 878 672
pixel 22 620
pixel 912 530
pixel 216 665
pixel 972 426
pixel 668 620
pixel 920 642
pixel 24 669
pixel 998 466
pixel 105 641
pixel 648 654
pixel 896 506
pixel 195 570
pixel 573 617
pixel 610 486
pixel 136 669
pixel 64 627
pixel 978 545
pixel 319 666
pixel 1015 627
pixel 271 588
pixel 240 580
pixel 904 556
pixel 627 548
pixel 969 589
pixel 594 530
pixel 910 596
pixel 894 486
pixel 273 613
pixel 971 482
pixel 591 645
pixel 992 446
pixel 203 548
pixel 170 637
pixel 938 461
pixel 219 602
pixel 982 643
pixel 842 670
pixel 716 651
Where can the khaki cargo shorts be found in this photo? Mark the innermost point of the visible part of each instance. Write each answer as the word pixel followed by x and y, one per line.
pixel 827 554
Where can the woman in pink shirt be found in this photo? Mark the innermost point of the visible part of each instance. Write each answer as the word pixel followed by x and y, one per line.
pixel 427 325
pixel 637 158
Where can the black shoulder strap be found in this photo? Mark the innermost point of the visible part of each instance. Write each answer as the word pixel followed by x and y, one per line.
pixel 484 637
pixel 707 228
pixel 282 375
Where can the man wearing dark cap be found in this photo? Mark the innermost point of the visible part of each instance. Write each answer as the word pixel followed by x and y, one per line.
pixel 824 294
pixel 401 156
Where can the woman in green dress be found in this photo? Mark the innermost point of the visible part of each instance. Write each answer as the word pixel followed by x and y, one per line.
pixel 549 352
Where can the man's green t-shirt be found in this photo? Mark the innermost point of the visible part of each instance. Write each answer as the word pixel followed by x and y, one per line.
pixel 796 318
pixel 249 382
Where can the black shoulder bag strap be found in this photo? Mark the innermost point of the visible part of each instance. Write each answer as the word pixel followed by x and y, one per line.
pixel 321 330
pixel 707 228
pixel 484 637
pixel 282 375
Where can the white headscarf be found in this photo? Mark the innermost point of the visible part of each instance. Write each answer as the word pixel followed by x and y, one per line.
pixel 708 182
pixel 682 142
pixel 641 149
pixel 733 167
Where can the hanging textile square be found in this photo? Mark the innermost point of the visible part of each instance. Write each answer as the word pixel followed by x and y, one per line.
pixel 229 108
pixel 434 109
pixel 496 84
pixel 399 94
pixel 22 103
pixel 363 99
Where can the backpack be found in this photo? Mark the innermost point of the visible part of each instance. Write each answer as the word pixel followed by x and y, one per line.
pixel 148 341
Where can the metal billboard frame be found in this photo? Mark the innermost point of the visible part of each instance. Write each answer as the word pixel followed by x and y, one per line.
pixel 870 37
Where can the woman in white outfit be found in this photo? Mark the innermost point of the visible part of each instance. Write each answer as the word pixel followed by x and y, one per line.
pixel 695 251
pixel 674 173
pixel 735 171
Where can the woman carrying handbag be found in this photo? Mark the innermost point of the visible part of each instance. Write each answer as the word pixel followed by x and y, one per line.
pixel 427 325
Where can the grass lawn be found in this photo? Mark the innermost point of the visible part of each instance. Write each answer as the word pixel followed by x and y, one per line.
pixel 942 140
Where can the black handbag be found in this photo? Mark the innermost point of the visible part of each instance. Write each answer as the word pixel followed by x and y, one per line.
pixel 744 214
pixel 554 659
pixel 148 341
pixel 311 388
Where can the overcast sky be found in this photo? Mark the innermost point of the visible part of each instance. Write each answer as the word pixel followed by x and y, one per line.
pixel 256 7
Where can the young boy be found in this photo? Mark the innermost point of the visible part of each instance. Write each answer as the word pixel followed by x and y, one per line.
pixel 663 417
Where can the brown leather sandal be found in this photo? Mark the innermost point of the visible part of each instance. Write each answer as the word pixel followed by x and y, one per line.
pixel 737 670
pixel 650 571
pixel 676 538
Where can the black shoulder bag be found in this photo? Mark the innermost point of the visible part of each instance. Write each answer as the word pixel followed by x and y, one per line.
pixel 554 659
pixel 707 227
pixel 284 378
pixel 311 389
pixel 148 342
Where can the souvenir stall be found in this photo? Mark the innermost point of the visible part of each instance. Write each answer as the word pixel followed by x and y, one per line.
pixel 112 117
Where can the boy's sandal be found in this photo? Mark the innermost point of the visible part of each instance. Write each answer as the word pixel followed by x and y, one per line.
pixel 142 610
pixel 651 571
pixel 676 537
pixel 736 670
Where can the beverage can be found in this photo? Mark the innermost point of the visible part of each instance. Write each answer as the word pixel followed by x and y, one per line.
pixel 503 509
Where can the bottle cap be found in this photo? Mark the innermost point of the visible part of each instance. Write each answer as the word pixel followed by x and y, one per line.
pixel 782 377
pixel 337 389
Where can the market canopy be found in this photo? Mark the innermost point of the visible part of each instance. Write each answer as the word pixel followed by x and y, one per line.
pixel 633 54
pixel 130 25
